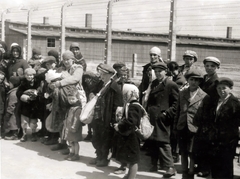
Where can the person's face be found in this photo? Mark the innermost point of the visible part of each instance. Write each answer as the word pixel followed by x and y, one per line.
pixel 124 76
pixel 1 78
pixel 154 57
pixel 72 99
pixel 50 65
pixel 193 83
pixel 160 73
pixel 105 77
pixel 75 51
pixel 29 77
pixel 15 53
pixel 68 63
pixel 188 60
pixel 210 68
pixel 223 90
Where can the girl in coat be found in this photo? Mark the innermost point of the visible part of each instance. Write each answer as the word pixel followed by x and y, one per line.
pixel 128 147
pixel 72 130
pixel 188 102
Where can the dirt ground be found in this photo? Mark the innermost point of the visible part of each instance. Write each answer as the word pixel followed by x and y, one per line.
pixel 34 160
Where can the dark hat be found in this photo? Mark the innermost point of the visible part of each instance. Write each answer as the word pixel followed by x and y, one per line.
pixel 54 53
pixel 225 80
pixel 172 65
pixel 48 59
pixel 191 53
pixel 3 46
pixel 68 55
pixel 212 59
pixel 36 51
pixel 124 69
pixel 15 80
pixel 105 68
pixel 30 71
pixel 195 73
pixel 74 45
pixel 160 65
pixel 118 65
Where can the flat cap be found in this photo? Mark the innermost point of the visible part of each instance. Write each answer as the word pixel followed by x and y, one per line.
pixel 160 65
pixel 48 59
pixel 118 65
pixel 105 68
pixel 225 80
pixel 191 53
pixel 68 55
pixel 212 59
pixel 195 73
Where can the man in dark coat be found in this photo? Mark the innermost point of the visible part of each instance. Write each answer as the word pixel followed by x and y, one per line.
pixel 162 108
pixel 110 98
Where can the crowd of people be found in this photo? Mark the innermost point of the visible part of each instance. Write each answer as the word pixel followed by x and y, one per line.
pixel 195 116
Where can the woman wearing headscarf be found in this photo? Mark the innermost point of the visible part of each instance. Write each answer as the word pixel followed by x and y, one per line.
pixel 128 147
pixel 16 61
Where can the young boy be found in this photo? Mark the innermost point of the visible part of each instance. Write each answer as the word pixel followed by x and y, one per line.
pixel 27 94
pixel 10 122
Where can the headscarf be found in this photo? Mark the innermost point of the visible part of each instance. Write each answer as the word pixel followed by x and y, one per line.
pixel 130 92
pixel 15 45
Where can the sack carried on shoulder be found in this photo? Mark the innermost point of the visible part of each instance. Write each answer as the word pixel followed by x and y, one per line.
pixel 145 129
pixel 87 113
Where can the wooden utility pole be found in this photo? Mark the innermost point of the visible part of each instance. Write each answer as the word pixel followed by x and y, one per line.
pixel 63 28
pixel 171 55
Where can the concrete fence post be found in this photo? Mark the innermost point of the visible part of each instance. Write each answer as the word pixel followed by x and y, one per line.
pixel 134 64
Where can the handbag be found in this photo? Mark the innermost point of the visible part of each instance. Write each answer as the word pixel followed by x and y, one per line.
pixel 145 129
pixel 88 109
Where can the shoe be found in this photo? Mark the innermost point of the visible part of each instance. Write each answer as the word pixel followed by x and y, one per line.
pixel 59 147
pixel 65 151
pixel 203 174
pixel 154 168
pixel 69 155
pixel 93 161
pixel 34 137
pixel 120 171
pixel 102 163
pixel 88 137
pixel 13 137
pixel 50 142
pixel 24 138
pixel 75 157
pixel 169 173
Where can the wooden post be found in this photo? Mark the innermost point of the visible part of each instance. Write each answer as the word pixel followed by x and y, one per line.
pixel 3 25
pixel 134 63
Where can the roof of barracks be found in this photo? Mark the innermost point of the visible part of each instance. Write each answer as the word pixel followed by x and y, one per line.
pixel 47 30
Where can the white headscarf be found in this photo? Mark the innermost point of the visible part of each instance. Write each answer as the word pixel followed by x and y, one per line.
pixel 130 92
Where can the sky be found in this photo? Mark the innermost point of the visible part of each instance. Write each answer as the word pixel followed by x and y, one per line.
pixel 198 17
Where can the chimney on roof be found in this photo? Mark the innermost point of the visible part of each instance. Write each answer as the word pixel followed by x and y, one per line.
pixel 46 20
pixel 229 32
pixel 88 20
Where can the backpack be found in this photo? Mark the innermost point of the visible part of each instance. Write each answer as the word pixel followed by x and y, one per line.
pixel 145 129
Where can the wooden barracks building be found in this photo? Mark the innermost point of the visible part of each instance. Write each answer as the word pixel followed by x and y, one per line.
pixel 124 43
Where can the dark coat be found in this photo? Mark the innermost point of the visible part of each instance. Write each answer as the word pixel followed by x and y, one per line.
pixel 13 67
pixel 31 108
pixel 209 86
pixel 162 99
pixel 2 98
pixel 128 147
pixel 180 80
pixel 187 109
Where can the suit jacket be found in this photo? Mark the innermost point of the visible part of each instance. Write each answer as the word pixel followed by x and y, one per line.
pixel 186 109
pixel 162 99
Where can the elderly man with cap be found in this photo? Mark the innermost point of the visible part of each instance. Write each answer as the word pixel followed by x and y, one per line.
pixel 188 102
pixel 161 107
pixel 189 58
pixel 219 121
pixel 75 49
pixel 104 116
pixel 147 74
